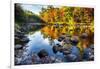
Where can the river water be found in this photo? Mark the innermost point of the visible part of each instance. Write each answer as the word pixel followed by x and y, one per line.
pixel 37 43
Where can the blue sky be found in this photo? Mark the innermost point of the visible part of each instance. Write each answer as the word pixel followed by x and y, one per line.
pixel 34 8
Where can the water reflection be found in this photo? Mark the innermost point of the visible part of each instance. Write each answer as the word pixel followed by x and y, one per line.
pixel 48 36
pixel 38 42
pixel 58 43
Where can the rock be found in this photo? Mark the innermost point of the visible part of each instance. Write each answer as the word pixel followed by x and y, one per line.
pixel 66 52
pixel 74 40
pixel 17 61
pixel 67 41
pixel 19 35
pixel 55 49
pixel 57 60
pixel 42 53
pixel 18 46
pixel 60 49
pixel 53 59
pixel 91 57
pixel 25 40
pixel 46 59
pixel 19 53
pixel 88 54
pixel 84 35
pixel 92 46
pixel 61 38
pixel 58 45
pixel 21 41
pixel 71 58
pixel 35 59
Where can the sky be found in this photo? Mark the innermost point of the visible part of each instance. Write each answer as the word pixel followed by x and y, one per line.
pixel 34 8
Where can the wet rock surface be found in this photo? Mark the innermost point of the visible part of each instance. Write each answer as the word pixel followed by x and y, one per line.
pixel 20 46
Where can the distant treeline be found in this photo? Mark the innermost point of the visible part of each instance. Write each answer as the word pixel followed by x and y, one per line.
pixel 25 16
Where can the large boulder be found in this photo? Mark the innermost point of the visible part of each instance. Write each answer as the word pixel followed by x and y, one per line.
pixel 42 53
